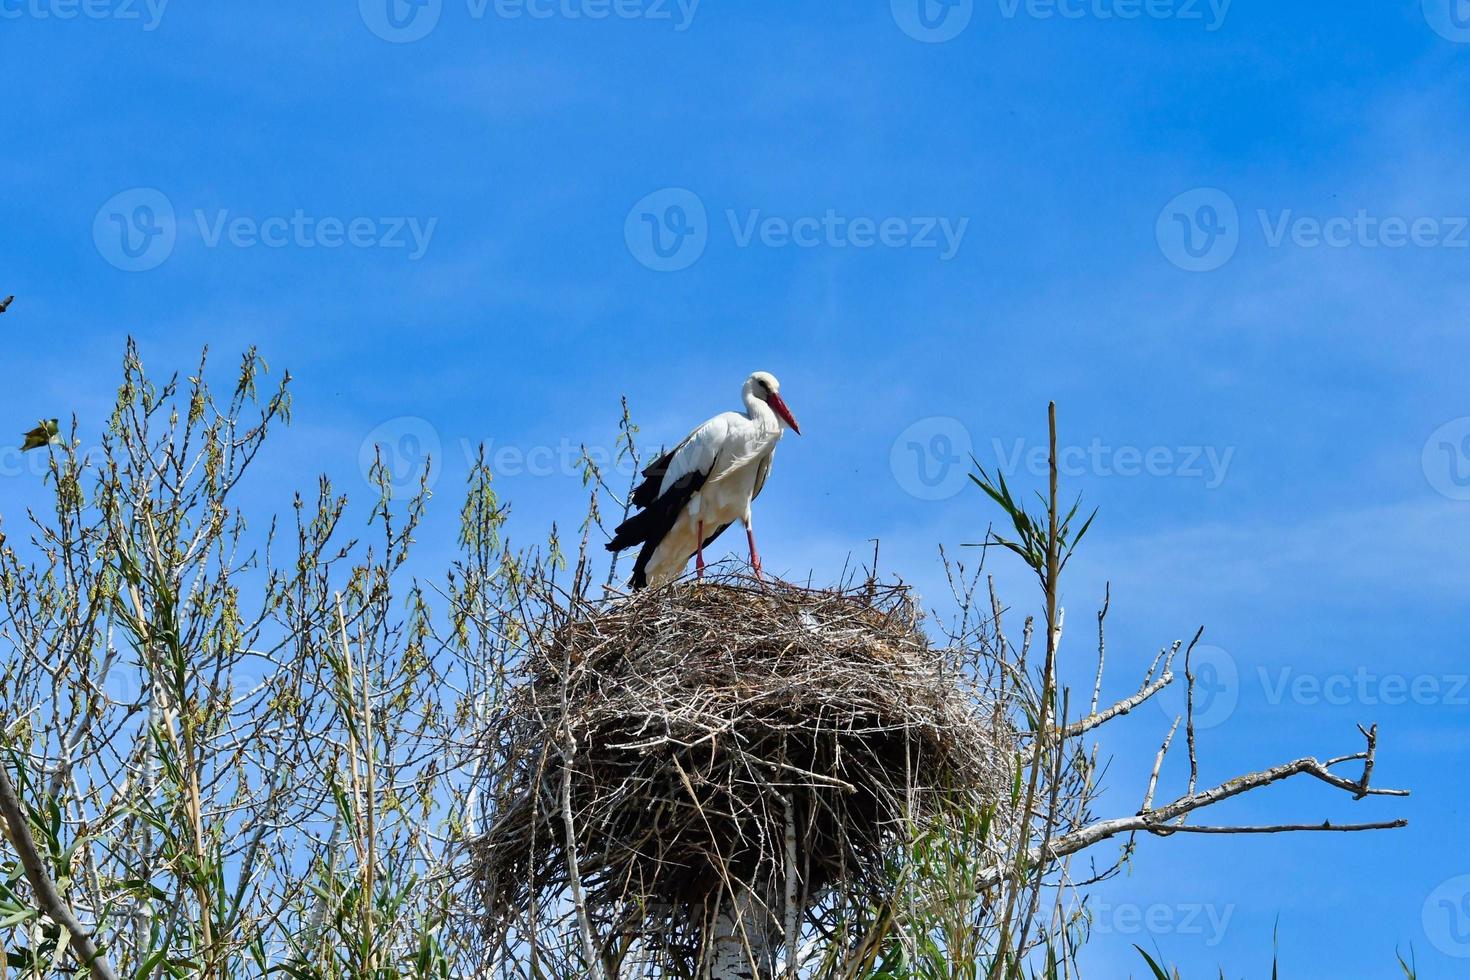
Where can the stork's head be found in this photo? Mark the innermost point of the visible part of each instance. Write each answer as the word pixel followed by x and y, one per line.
pixel 764 386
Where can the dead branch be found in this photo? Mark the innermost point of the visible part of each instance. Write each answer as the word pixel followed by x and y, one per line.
pixel 1084 725
pixel 1156 821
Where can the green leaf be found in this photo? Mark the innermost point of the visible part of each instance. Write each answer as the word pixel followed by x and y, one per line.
pixel 1085 525
pixel 21 916
pixel 1159 973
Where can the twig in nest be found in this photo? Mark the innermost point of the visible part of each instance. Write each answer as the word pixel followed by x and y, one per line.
pixel 734 742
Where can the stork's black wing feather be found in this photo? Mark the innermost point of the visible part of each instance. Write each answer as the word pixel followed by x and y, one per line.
pixel 657 516
pixel 647 491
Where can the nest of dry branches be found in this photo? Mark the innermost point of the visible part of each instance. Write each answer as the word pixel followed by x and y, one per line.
pixel 694 740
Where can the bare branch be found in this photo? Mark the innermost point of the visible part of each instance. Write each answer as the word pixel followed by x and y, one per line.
pixel 1153 778
pixel 1092 721
pixel 1371 734
pixel 1156 821
pixel 1284 828
pixel 1102 615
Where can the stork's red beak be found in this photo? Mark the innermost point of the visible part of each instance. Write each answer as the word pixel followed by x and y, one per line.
pixel 779 407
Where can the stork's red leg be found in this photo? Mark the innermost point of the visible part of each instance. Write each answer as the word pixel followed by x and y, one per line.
pixel 699 551
pixel 755 558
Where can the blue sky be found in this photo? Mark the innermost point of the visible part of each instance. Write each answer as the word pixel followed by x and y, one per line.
pixel 1230 241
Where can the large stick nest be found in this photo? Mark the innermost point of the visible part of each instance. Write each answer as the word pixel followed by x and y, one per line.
pixel 720 728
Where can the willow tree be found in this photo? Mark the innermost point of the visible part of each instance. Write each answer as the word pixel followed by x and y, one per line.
pixel 234 744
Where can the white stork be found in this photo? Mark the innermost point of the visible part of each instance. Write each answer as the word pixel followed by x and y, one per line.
pixel 704 485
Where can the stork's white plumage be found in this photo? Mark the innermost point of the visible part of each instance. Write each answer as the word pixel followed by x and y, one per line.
pixel 705 484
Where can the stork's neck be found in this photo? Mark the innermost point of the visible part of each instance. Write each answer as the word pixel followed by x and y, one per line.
pixel 761 414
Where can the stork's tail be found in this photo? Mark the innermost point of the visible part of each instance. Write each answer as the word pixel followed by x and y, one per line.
pixel 635 530
pixel 651 525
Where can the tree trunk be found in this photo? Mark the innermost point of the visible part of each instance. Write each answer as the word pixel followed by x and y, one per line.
pixel 742 941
